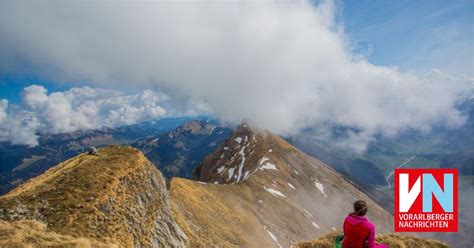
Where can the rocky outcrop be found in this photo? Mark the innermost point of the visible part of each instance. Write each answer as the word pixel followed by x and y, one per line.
pixel 117 196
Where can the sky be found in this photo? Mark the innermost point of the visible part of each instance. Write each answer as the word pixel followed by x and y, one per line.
pixel 413 35
pixel 377 66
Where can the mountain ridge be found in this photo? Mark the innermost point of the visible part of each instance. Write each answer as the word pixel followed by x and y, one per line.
pixel 119 198
pixel 118 195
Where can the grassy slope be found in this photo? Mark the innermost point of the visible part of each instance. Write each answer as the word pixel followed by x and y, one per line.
pixel 216 219
pixel 327 241
pixel 35 234
pixel 115 195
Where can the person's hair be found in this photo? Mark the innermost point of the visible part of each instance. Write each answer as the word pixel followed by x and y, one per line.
pixel 360 208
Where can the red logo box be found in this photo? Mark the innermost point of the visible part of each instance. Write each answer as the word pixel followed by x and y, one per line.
pixel 426 200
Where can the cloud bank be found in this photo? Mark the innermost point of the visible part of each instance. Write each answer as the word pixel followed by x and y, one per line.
pixel 75 109
pixel 282 66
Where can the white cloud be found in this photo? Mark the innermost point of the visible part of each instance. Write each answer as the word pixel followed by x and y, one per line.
pixel 282 66
pixel 3 110
pixel 75 109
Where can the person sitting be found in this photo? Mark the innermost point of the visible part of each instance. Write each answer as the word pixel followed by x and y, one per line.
pixel 359 232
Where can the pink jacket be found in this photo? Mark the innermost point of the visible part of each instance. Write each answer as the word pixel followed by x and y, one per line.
pixel 359 232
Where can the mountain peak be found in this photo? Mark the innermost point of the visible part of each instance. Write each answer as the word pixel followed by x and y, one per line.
pixel 244 180
pixel 196 127
pixel 247 151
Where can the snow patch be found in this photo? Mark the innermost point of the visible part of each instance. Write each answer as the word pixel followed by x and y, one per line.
pixel 268 166
pixel 315 225
pixel 307 212
pixel 220 169
pixel 201 182
pixel 291 186
pixel 231 172
pixel 273 237
pixel 238 140
pixel 153 141
pixel 274 192
pixel 262 160
pixel 270 150
pixel 264 165
pixel 321 188
pixel 333 228
pixel 212 129
pixel 216 182
pixel 242 161
pixel 296 172
pixel 226 148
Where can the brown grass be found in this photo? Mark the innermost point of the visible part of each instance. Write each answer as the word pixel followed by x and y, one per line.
pixel 211 220
pixel 70 196
pixel 392 240
pixel 30 233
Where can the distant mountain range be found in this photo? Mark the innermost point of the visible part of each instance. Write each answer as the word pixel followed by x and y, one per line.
pixel 178 147
pixel 179 151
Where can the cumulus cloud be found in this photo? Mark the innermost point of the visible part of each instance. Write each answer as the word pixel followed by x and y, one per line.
pixel 75 109
pixel 282 66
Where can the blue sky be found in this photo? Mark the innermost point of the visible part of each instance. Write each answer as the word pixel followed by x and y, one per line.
pixel 12 86
pixel 415 36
